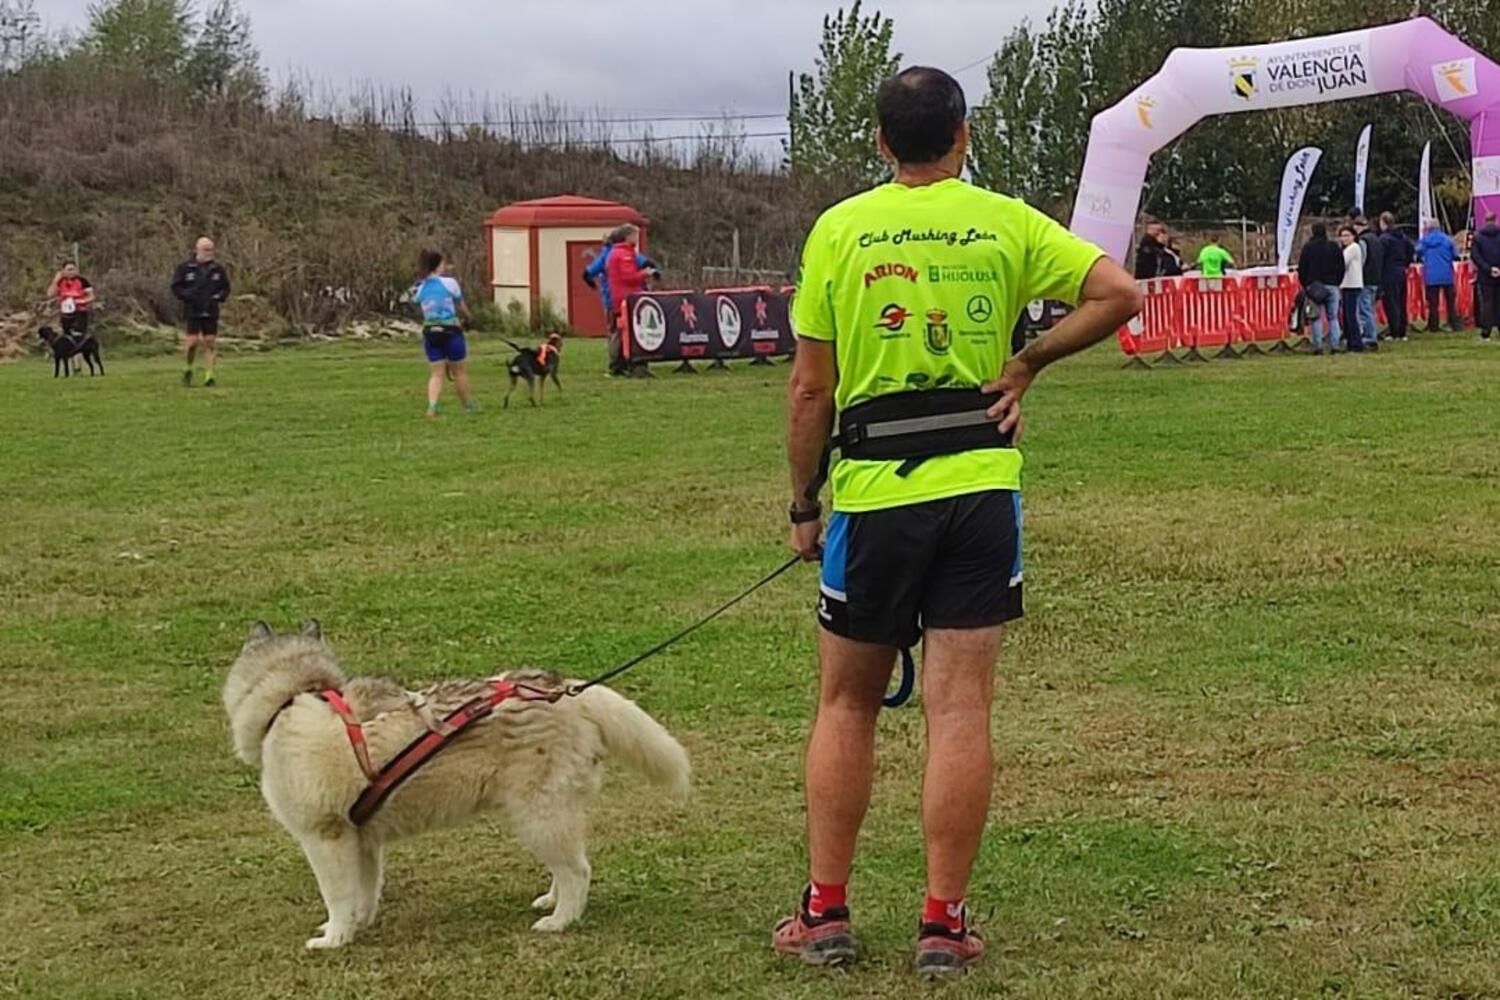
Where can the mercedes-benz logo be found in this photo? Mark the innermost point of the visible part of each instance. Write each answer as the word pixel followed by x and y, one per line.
pixel 981 309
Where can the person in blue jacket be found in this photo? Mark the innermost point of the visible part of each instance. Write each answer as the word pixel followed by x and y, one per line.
pixel 1436 253
pixel 597 278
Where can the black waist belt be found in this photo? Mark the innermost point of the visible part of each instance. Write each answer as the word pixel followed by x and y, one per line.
pixel 911 427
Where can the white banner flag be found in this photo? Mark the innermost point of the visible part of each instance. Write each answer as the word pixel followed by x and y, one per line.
pixel 1362 167
pixel 1424 190
pixel 1294 182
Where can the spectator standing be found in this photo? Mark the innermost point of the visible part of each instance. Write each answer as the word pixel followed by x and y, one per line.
pixel 74 295
pixel 1320 269
pixel 929 546
pixel 1485 253
pixel 1395 257
pixel 1214 260
pixel 1436 254
pixel 1150 254
pixel 1369 243
pixel 1171 260
pixel 596 276
pixel 627 271
pixel 202 285
pixel 1352 287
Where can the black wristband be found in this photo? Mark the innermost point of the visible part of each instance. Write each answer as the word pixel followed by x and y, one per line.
pixel 804 515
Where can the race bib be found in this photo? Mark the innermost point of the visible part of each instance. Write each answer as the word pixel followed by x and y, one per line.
pixel 69 307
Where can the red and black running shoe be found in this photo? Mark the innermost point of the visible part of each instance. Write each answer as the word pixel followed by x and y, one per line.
pixel 824 940
pixel 945 952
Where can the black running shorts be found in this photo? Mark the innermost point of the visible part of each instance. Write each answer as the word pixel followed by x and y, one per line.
pixel 76 323
pixel 206 326
pixel 954 563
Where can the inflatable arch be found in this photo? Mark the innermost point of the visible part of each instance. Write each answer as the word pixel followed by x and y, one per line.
pixel 1417 55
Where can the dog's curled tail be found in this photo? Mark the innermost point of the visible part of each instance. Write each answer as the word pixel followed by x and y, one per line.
pixel 639 741
pixel 270 671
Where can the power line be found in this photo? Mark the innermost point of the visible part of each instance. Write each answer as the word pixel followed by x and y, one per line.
pixel 977 62
pixel 541 119
pixel 611 140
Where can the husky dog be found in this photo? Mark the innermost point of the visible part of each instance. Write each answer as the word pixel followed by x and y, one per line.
pixel 536 763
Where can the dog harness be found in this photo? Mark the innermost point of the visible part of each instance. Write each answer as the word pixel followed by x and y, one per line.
pixel 385 780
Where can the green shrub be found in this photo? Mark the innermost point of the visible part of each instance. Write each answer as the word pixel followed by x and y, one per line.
pixel 511 323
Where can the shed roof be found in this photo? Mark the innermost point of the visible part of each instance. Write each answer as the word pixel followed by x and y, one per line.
pixel 565 210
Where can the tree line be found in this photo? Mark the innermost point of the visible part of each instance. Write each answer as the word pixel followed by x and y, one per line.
pixel 162 43
pixel 1047 80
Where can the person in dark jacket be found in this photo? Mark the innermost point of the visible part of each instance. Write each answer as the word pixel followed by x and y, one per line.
pixel 1171 259
pixel 201 284
pixel 1320 268
pixel 1485 253
pixel 1150 255
pixel 1369 241
pixel 1396 256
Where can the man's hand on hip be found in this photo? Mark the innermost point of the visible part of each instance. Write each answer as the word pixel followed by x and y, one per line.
pixel 1012 384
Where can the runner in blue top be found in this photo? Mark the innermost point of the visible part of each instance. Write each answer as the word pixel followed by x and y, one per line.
pixel 442 302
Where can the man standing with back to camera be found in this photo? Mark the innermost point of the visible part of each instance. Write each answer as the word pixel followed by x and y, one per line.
pixel 903 313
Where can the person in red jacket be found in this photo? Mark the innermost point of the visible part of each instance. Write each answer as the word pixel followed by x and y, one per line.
pixel 625 274
pixel 73 294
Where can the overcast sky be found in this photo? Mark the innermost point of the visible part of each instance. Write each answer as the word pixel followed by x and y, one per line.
pixel 654 57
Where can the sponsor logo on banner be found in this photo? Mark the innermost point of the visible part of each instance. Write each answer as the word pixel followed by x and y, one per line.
pixel 894 270
pixel 650 324
pixel 980 309
pixel 689 312
pixel 1291 73
pixel 1105 202
pixel 1036 309
pixel 1144 105
pixel 763 338
pixel 1242 77
pixel 893 317
pixel 1295 178
pixel 729 321
pixel 1486 176
pixel 1455 80
pixel 939 338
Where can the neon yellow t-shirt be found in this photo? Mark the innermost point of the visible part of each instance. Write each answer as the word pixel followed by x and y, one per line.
pixel 920 287
pixel 1212 260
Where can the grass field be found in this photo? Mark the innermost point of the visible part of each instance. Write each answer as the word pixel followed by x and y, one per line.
pixel 1247 734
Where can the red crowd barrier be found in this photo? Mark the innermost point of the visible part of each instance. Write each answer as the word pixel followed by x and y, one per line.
pixel 1193 313
pixel 1463 287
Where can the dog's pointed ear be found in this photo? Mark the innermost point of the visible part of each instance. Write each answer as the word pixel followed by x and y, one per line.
pixel 313 629
pixel 259 632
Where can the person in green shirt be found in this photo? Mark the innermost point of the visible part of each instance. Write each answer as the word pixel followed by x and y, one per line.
pixel 907 296
pixel 1213 259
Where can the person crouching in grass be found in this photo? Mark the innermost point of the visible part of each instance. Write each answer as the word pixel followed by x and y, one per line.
pixel 442 303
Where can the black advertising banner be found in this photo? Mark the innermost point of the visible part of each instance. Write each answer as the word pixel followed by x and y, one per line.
pixel 722 323
pixel 752 322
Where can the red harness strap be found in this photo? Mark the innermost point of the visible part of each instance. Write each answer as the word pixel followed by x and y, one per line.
pixel 353 728
pixel 422 749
